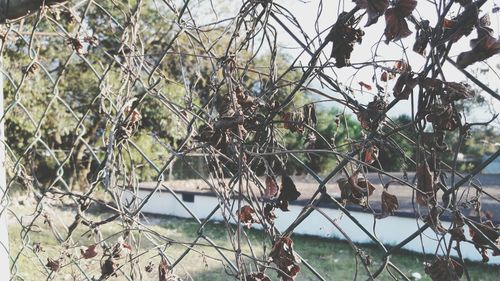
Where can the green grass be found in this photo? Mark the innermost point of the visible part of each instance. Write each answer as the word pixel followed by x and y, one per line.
pixel 333 259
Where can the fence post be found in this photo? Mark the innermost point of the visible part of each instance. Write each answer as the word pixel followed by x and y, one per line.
pixel 4 238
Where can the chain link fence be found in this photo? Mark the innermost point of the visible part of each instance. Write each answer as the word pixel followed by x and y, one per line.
pixel 101 96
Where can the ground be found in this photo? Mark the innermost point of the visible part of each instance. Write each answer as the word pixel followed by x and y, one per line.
pixel 333 259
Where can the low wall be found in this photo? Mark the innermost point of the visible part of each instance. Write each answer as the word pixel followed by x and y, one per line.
pixel 390 230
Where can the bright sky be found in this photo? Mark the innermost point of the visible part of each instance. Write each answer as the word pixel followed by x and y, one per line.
pixel 306 13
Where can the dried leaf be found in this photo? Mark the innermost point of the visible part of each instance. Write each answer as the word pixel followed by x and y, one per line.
pixel 257 276
pixel 425 184
pixel 444 117
pixel 371 154
pixel 442 269
pixel 366 86
pixel 289 191
pixel 386 76
pixel 108 268
pixel 462 25
pixel 389 204
pixel 370 118
pixel 433 219
pixel 310 115
pixel 271 187
pixel 164 270
pixel 396 25
pixel 283 255
pixel 269 214
pixel 422 37
pixel 484 47
pixel 53 265
pixel 374 9
pixel 90 252
pixel 247 215
pixel 489 232
pixel 354 190
pixel 404 86
pixel 343 36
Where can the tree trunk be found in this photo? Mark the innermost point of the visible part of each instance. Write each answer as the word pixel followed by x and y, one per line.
pixel 14 9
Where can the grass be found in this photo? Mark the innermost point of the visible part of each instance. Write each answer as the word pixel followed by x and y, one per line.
pixel 332 258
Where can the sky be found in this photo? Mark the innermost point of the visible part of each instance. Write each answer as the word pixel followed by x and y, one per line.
pixel 306 13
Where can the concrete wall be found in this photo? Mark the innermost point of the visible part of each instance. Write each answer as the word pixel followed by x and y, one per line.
pixel 390 231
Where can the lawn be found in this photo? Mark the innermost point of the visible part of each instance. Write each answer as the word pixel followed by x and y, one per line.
pixel 333 259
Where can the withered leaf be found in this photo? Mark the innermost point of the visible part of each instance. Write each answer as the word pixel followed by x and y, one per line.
pixel 425 184
pixel 396 26
pixel 343 36
pixel 444 269
pixel 164 269
pixel 89 252
pixel 457 91
pixel 269 214
pixel 433 219
pixel 289 191
pixel 370 118
pixel 386 76
pixel 354 190
pixel 370 154
pixel 271 187
pixel 484 47
pixel 247 215
pixel 365 85
pixel 489 231
pixel 457 231
pixel 404 86
pixel 108 268
pixel 310 114
pixel 257 276
pixel 53 265
pixel 293 121
pixel 283 255
pixel 374 9
pixel 444 117
pixel 422 37
pixel 389 204
pixel 463 24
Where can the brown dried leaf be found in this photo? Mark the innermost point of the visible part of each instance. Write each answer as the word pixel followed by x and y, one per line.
pixel 396 27
pixel 489 231
pixel 404 86
pixel 422 37
pixel 425 184
pixel 53 265
pixel 433 219
pixel 343 36
pixel 90 252
pixel 247 215
pixel 374 9
pixel 484 47
pixel 108 268
pixel 389 204
pixel 164 270
pixel 289 191
pixel 444 117
pixel 257 276
pixel 271 187
pixel 365 85
pixel 285 258
pixel 371 154
pixel 386 76
pixel 442 269
pixel 354 190
pixel 404 8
